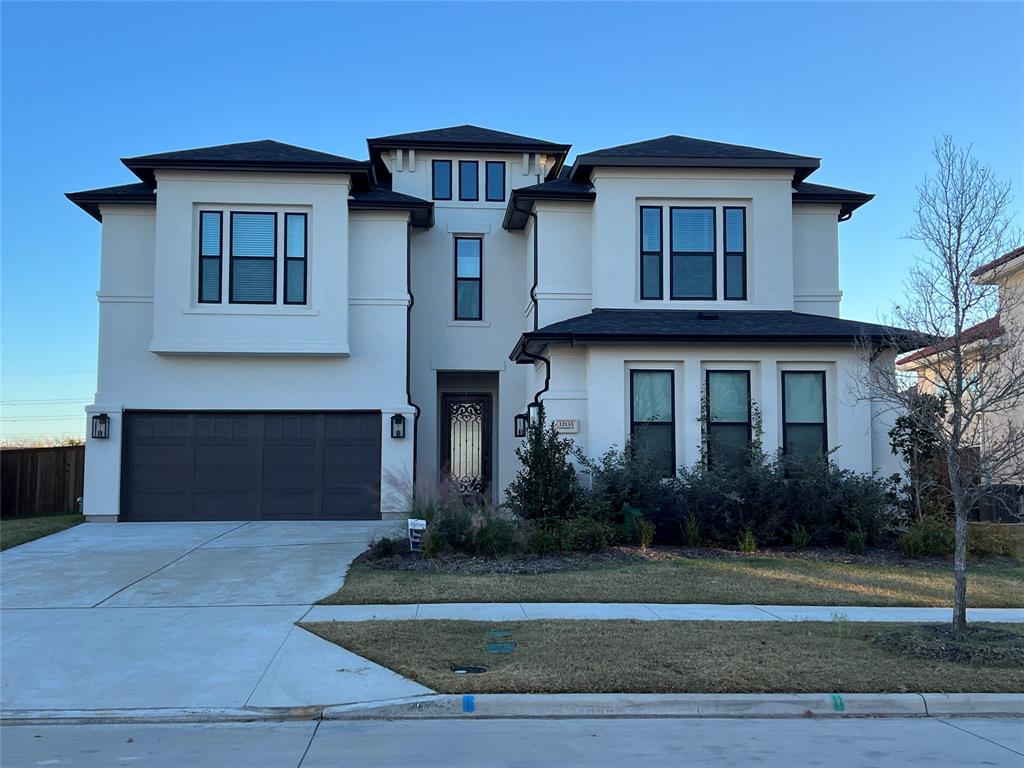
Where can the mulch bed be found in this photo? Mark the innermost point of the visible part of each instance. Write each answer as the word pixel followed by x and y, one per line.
pixel 985 645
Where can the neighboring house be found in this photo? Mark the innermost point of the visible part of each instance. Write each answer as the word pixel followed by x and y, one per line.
pixel 931 365
pixel 286 333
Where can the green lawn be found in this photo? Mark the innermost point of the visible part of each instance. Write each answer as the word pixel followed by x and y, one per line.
pixel 18 530
pixel 736 580
pixel 662 657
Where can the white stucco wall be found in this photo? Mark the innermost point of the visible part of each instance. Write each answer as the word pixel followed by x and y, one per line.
pixel 816 259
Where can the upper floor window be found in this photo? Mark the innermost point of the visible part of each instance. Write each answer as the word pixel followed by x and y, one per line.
pixel 652 417
pixel 253 278
pixel 295 258
pixel 495 181
pixel 468 278
pixel 442 179
pixel 692 269
pixel 211 256
pixel 735 226
pixel 728 418
pixel 651 266
pixel 804 429
pixel 469 180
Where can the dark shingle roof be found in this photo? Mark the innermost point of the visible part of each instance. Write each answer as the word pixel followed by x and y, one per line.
pixel 521 201
pixel 709 326
pixel 247 155
pixel 467 137
pixel 849 200
pixel 1006 258
pixel 90 200
pixel 687 152
pixel 382 199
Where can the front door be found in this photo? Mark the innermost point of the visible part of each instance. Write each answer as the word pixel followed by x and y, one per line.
pixel 466 442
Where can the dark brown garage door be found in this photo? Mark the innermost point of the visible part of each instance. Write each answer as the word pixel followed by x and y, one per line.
pixel 250 466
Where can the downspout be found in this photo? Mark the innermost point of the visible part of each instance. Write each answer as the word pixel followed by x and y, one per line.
pixel 547 373
pixel 408 351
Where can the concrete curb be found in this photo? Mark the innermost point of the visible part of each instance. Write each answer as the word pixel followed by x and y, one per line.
pixel 556 706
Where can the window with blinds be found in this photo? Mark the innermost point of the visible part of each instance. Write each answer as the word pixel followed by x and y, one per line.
pixel 253 258
pixel 295 258
pixel 651 266
pixel 735 226
pixel 692 267
pixel 468 278
pixel 211 256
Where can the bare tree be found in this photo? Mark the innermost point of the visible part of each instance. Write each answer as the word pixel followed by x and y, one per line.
pixel 976 360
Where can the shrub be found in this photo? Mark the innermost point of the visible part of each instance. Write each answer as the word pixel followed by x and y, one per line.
pixel 691 530
pixel 494 534
pixel 931 536
pixel 544 538
pixel 627 484
pixel 585 534
pixel 449 529
pixel 856 541
pixel 991 540
pixel 383 547
pixel 645 532
pixel 546 485
pixel 799 538
pixel 747 541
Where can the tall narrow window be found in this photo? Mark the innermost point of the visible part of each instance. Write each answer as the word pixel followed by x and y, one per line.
pixel 693 253
pixel 468 278
pixel 804 430
pixel 652 418
pixel 295 258
pixel 729 424
pixel 651 267
pixel 735 253
pixel 442 179
pixel 211 256
pixel 469 180
pixel 253 258
pixel 495 172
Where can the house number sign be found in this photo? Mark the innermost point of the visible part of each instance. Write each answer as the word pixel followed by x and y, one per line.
pixel 567 426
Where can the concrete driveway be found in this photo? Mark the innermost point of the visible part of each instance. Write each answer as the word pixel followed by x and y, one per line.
pixel 180 615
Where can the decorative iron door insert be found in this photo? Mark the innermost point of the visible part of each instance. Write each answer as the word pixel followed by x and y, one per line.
pixel 466 441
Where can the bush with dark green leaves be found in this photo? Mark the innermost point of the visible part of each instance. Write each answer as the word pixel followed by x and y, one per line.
pixel 547 485
pixel 931 536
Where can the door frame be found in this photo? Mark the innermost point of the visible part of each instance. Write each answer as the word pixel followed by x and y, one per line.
pixel 486 437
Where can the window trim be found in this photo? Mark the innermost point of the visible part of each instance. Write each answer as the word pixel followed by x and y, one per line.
pixel 749 423
pixel 713 253
pixel 232 258
pixel 824 410
pixel 478 280
pixel 672 421
pixel 433 179
pixel 219 257
pixel 475 163
pixel 487 186
pixel 660 253
pixel 304 258
pixel 726 253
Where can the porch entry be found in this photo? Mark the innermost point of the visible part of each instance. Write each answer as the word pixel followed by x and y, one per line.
pixel 466 441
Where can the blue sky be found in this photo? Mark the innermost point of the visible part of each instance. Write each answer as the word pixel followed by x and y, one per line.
pixel 864 86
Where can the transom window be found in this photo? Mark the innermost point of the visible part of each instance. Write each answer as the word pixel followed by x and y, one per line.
pixel 804 429
pixel 468 278
pixel 652 417
pixel 728 418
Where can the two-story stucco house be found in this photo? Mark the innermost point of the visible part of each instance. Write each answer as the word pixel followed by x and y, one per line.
pixel 284 333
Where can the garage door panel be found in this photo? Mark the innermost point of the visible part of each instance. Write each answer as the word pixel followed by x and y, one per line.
pixel 241 466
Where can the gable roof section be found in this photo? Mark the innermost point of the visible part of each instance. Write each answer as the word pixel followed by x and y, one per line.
pixel 986 329
pixel 520 202
pixel 1002 261
pixel 90 200
pixel 264 155
pixel 709 326
pixel 382 199
pixel 686 152
pixel 849 200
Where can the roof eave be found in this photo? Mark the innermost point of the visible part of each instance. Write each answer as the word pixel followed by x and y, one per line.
pixel 91 203
pixel 420 216
pixel 146 169
pixel 515 216
pixel 802 167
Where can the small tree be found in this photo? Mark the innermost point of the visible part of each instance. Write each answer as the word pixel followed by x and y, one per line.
pixel 962 221
pixel 547 485
pixel 913 438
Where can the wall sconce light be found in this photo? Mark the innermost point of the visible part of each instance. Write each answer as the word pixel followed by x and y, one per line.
pixel 100 426
pixel 522 423
pixel 533 412
pixel 398 426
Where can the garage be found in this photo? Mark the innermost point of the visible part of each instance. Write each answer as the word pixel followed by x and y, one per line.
pixel 179 465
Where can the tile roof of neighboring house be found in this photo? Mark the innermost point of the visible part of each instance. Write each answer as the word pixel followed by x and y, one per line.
pixel 849 200
pixel 382 199
pixel 1006 258
pixel 248 155
pixel 710 326
pixel 126 194
pixel 986 329
pixel 521 201
pixel 687 152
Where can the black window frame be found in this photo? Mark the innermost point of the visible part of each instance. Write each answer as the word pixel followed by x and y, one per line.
pixel 232 258
pixel 433 179
pixel 476 175
pixel 726 253
pixel 749 423
pixel 478 280
pixel 824 411
pixel 219 258
pixel 713 253
pixel 487 181
pixel 304 258
pixel 660 253
pixel 633 423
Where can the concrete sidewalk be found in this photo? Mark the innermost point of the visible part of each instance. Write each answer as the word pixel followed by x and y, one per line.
pixel 650 612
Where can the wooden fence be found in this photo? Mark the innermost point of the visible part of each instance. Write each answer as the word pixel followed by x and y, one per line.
pixel 41 481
